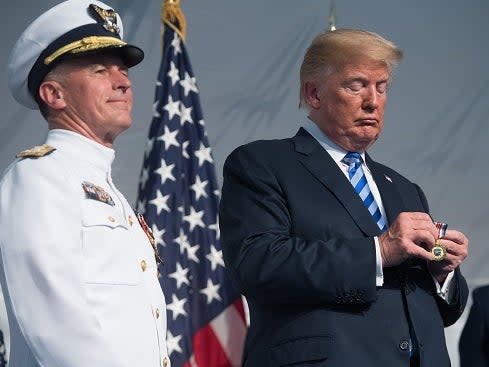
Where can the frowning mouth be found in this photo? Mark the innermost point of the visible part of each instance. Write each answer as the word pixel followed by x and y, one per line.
pixel 116 101
pixel 367 121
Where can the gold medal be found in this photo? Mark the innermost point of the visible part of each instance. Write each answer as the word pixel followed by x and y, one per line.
pixel 439 251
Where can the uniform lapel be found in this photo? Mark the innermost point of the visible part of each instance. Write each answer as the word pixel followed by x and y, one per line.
pixel 320 164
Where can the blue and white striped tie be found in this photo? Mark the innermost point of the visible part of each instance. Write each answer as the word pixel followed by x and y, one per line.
pixel 359 182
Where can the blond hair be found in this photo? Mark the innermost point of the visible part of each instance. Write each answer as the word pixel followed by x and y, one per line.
pixel 330 51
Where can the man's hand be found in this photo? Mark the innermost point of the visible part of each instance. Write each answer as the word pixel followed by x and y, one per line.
pixel 457 246
pixel 411 235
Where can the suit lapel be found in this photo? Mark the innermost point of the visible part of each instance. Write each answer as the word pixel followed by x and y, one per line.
pixel 391 198
pixel 320 164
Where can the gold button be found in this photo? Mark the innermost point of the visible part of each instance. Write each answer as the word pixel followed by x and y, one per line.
pixel 111 218
pixel 157 313
pixel 166 361
pixel 143 265
pixel 130 220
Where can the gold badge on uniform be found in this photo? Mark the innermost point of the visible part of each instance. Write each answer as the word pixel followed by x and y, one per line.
pixel 36 152
pixel 97 193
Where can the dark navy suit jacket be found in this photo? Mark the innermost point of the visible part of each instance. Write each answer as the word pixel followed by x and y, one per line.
pixel 474 341
pixel 299 243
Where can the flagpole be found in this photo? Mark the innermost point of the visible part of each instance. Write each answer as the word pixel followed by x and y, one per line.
pixel 332 16
pixel 173 17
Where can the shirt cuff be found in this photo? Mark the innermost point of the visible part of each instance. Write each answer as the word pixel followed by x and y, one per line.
pixel 379 277
pixel 445 291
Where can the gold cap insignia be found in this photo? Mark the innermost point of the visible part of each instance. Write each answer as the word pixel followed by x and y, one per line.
pixel 107 17
pixel 36 152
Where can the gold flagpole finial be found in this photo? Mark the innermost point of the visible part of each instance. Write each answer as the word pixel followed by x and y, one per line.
pixel 172 16
pixel 332 16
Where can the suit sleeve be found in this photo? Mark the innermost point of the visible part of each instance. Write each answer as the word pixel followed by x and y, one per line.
pixel 452 311
pixel 268 261
pixel 43 268
pixel 474 340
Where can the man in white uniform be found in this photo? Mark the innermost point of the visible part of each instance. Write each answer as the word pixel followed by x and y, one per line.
pixel 78 266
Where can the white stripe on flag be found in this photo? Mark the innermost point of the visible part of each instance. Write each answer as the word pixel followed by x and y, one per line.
pixel 192 361
pixel 226 322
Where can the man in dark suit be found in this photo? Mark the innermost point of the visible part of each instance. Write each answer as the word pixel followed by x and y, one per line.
pixel 474 341
pixel 333 277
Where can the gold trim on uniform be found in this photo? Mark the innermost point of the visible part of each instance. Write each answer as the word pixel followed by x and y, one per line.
pixel 143 265
pixel 83 45
pixel 36 152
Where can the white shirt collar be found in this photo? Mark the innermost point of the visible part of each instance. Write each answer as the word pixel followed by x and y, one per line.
pixel 335 151
pixel 81 147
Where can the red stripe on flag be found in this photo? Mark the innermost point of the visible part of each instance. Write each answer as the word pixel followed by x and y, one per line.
pixel 207 349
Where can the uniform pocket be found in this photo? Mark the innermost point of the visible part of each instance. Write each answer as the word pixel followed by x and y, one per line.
pixel 109 256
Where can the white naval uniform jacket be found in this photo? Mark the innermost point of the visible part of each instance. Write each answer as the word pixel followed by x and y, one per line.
pixel 79 275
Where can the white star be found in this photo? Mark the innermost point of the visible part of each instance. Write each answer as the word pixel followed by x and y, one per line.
pixel 176 307
pixel 176 44
pixel 165 171
pixel 172 107
pixel 188 84
pixel 211 291
pixel 185 114
pixel 215 227
pixel 203 154
pixel 173 343
pixel 149 147
pixel 144 177
pixel 194 218
pixel 185 145
pixel 201 123
pixel 180 275
pixel 156 114
pixel 191 252
pixel 182 241
pixel 140 206
pixel 173 74
pixel 199 188
pixel 158 234
pixel 160 202
pixel 169 138
pixel 215 257
pixel 217 193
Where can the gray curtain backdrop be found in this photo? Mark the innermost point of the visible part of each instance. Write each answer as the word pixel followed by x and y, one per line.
pixel 246 57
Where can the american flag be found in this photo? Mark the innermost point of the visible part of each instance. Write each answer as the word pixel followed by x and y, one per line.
pixel 179 197
pixel 3 351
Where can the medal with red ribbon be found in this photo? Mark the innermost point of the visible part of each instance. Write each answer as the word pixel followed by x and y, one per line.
pixel 438 250
pixel 151 237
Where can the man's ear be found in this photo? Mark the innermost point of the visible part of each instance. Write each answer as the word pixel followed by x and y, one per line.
pixel 52 94
pixel 311 94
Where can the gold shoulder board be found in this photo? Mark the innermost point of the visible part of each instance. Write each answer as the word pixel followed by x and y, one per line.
pixel 36 152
